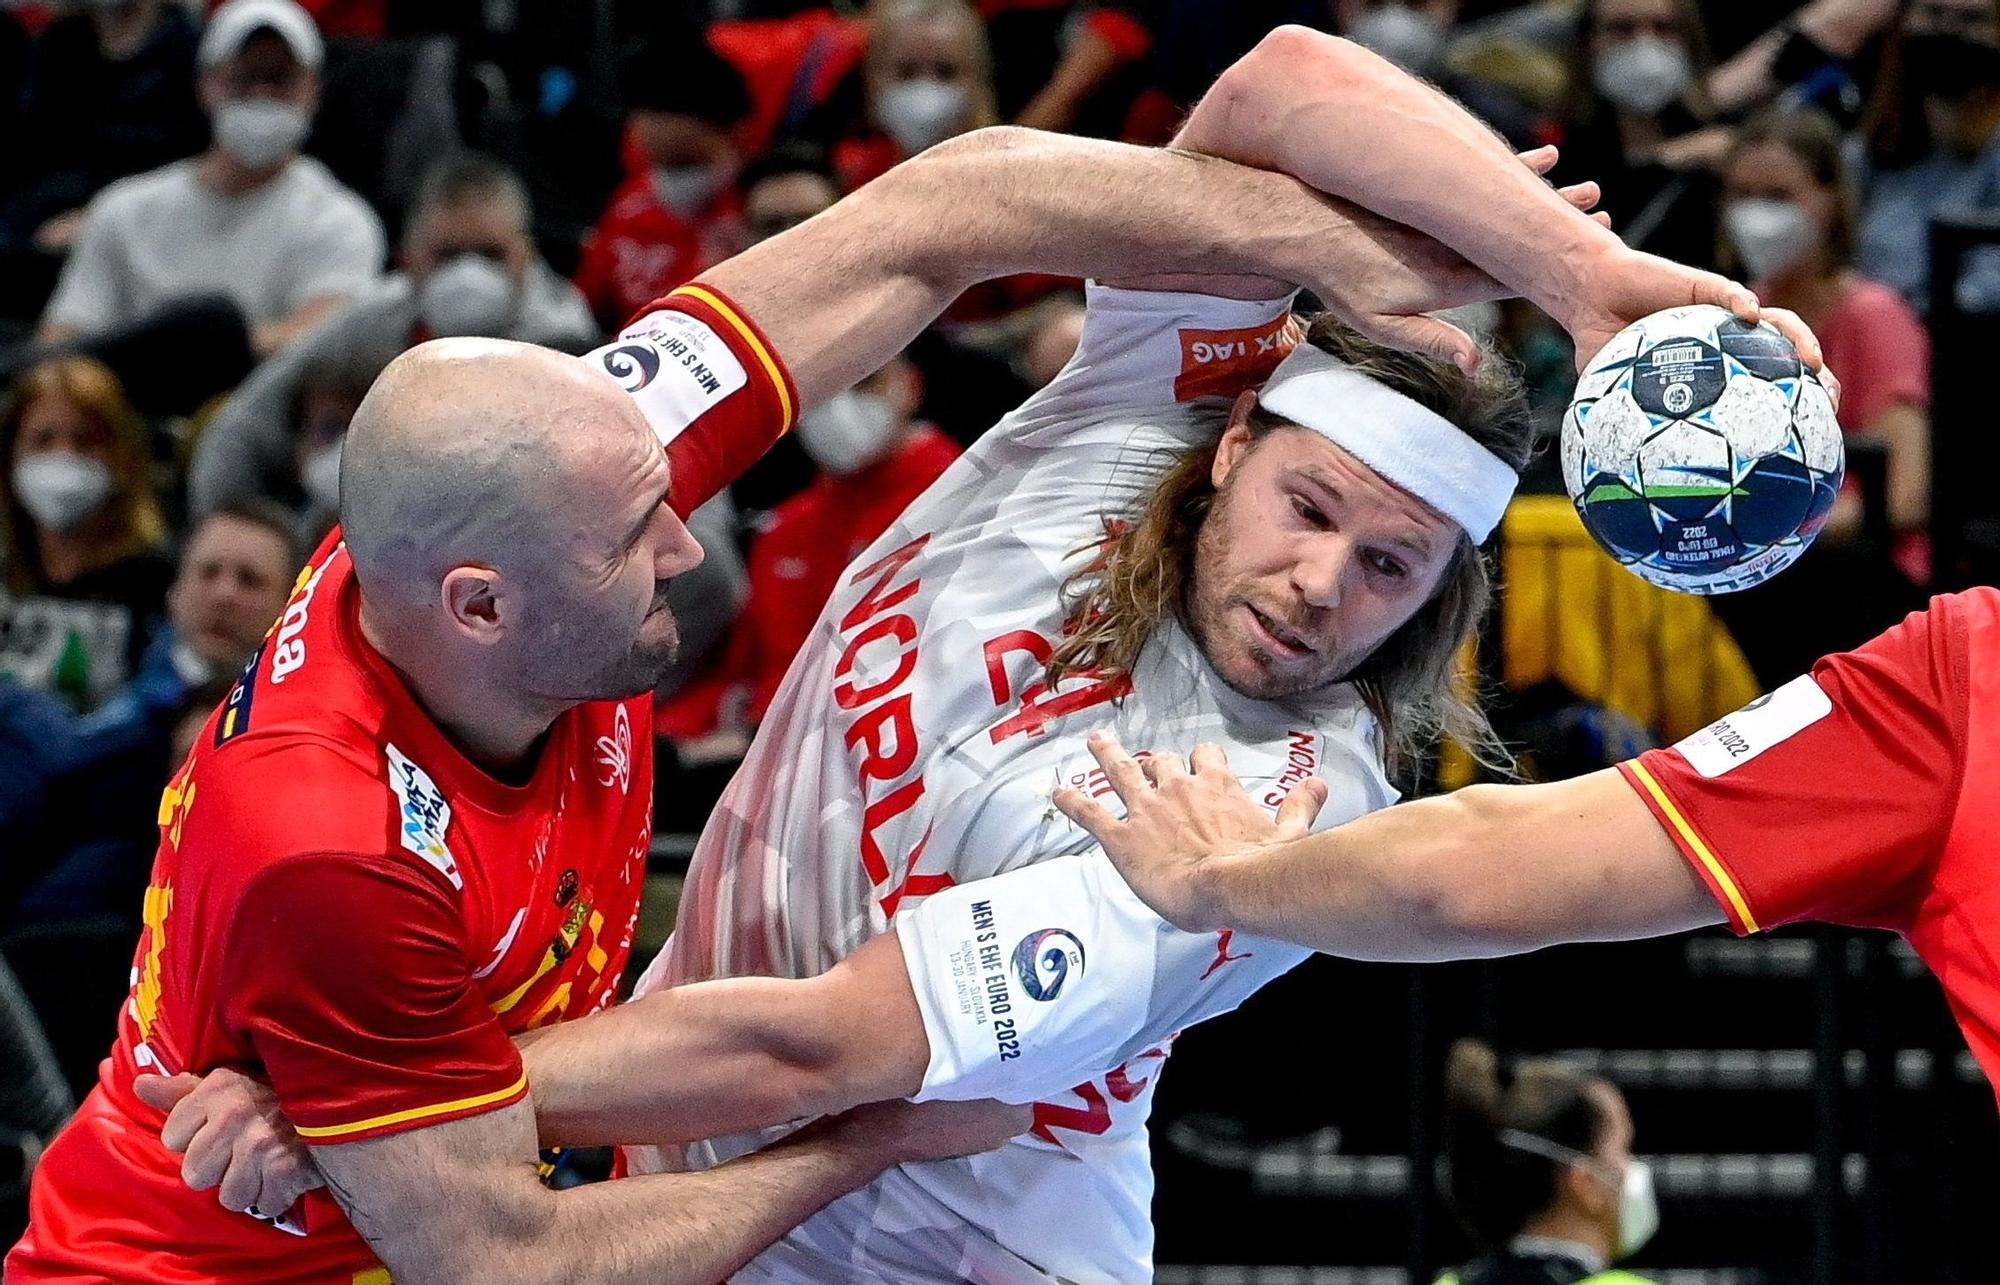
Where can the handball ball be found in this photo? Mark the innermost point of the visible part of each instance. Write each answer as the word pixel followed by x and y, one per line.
pixel 1700 452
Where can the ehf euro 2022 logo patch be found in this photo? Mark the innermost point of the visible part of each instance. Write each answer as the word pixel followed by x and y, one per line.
pixel 1044 960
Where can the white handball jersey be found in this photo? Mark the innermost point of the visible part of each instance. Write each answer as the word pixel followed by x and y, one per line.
pixel 913 749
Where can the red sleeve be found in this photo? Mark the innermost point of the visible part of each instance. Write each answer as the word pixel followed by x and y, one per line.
pixel 710 384
pixel 348 975
pixel 1829 799
pixel 1886 359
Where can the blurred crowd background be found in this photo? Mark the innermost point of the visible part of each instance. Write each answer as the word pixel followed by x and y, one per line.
pixel 217 225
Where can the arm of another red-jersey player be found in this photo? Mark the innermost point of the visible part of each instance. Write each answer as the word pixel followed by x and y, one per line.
pixel 1488 870
pixel 1828 799
pixel 349 977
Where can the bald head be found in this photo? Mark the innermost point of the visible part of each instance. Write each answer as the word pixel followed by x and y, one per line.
pixel 477 451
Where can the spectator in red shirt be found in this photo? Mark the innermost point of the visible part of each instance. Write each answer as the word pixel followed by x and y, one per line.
pixel 679 211
pixel 874 458
pixel 927 76
pixel 1788 219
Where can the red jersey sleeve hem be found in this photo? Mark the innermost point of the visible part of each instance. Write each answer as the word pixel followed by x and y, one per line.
pixel 712 306
pixel 415 1117
pixel 1700 854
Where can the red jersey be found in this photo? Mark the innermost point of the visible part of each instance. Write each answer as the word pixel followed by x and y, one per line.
pixel 1843 796
pixel 348 907
pixel 642 248
pixel 794 566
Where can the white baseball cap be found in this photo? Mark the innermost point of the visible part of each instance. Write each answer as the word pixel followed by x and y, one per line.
pixel 238 20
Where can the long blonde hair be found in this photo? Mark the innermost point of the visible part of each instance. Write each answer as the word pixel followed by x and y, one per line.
pixel 132 521
pixel 1144 571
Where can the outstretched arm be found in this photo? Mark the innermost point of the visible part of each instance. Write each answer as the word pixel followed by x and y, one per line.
pixel 843 292
pixel 1488 870
pixel 721 1057
pixel 1349 123
pixel 460 1202
pixel 697 1061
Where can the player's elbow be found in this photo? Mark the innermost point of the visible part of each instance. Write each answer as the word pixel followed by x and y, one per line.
pixel 1292 55
pixel 867 1042
pixel 1465 887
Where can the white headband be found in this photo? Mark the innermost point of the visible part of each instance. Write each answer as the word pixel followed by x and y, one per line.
pixel 1417 449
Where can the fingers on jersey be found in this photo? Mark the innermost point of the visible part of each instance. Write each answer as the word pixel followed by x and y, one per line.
pixel 1128 778
pixel 234 1138
pixel 1163 768
pixel 165 1093
pixel 1124 772
pixel 1089 813
pixel 1300 808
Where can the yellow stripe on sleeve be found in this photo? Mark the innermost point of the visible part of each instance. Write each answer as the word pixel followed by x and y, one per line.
pixel 749 336
pixel 414 1113
pixel 1694 843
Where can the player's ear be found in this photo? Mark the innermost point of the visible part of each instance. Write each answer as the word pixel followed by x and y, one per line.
pixel 1236 439
pixel 471 599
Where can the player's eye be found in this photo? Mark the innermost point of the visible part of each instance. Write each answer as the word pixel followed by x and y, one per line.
pixel 1310 513
pixel 1388 564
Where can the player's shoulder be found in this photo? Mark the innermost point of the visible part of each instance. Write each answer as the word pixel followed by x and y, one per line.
pixel 275 793
pixel 1964 628
pixel 1952 633
pixel 1190 344
pixel 1152 359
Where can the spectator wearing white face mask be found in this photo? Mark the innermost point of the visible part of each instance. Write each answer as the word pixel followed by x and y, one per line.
pixel 1422 37
pixel 469 267
pixel 678 211
pixel 874 457
pixel 1540 1171
pixel 1637 95
pixel 85 574
pixel 927 76
pixel 249 219
pixel 1789 224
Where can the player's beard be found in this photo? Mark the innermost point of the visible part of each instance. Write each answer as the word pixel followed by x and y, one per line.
pixel 1213 612
pixel 572 670
pixel 646 663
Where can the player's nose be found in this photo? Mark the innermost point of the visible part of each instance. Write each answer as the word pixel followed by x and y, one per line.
pixel 1322 567
pixel 679 552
